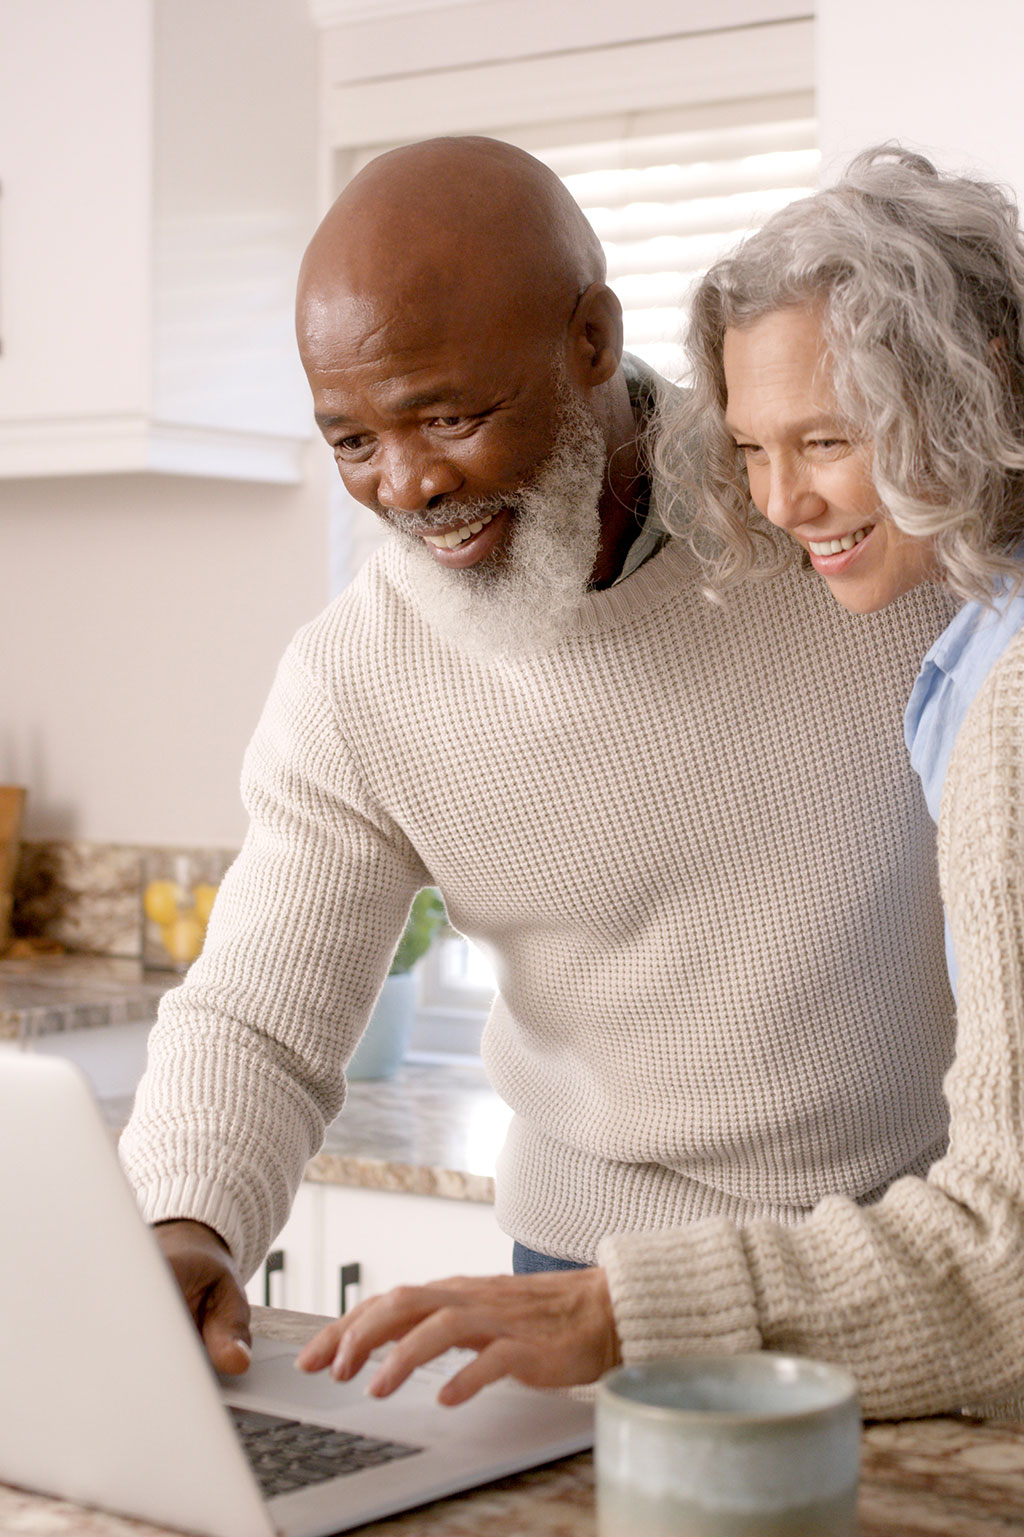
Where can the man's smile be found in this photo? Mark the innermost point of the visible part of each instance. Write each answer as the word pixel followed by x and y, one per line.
pixel 456 536
pixel 466 544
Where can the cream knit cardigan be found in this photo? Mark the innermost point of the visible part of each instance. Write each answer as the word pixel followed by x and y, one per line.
pixel 691 838
pixel 922 1293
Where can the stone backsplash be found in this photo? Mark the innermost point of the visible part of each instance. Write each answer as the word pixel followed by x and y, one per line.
pixel 87 897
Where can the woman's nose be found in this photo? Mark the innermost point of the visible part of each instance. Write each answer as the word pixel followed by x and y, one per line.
pixel 791 500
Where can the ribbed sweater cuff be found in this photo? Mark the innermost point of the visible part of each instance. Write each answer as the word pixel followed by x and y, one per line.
pixel 684 1291
pixel 189 1196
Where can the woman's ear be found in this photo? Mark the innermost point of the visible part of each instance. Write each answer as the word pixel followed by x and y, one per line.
pixel 595 336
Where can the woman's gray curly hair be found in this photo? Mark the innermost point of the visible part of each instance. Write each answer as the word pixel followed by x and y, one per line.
pixel 920 280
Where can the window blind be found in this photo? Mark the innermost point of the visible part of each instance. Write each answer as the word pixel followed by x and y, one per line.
pixel 666 205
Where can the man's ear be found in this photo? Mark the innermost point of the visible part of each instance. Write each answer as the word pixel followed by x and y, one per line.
pixel 595 336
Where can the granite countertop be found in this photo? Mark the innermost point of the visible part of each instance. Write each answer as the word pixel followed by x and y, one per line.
pixel 434 1129
pixel 40 994
pixel 920 1478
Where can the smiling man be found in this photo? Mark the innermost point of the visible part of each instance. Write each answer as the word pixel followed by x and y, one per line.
pixel 480 432
pixel 687 832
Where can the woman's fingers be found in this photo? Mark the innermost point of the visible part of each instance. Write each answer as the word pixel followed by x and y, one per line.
pixel 459 1325
pixel 497 1360
pixel 320 1350
pixel 554 1329
pixel 345 1345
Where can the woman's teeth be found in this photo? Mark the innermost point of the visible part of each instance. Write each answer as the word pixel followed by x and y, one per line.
pixel 836 546
pixel 458 535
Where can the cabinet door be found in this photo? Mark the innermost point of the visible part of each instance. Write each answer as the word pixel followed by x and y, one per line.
pixel 159 176
pixel 75 297
pixel 289 1276
pixel 394 1238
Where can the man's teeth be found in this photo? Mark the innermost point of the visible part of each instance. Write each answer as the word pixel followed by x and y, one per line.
pixel 458 535
pixel 836 546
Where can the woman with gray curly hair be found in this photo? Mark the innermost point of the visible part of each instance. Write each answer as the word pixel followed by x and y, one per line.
pixel 902 291
pixel 859 384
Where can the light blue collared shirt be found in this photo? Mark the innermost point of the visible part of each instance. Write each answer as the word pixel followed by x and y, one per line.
pixel 951 675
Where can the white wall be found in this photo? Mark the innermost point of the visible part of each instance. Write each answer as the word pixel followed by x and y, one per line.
pixel 940 76
pixel 140 623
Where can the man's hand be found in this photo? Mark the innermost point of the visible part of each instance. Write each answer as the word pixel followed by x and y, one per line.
pixel 553 1329
pixel 203 1269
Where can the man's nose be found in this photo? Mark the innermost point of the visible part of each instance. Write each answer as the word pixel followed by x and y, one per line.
pixel 410 480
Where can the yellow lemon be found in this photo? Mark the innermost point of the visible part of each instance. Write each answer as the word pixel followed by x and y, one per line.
pixel 204 894
pixel 160 901
pixel 183 939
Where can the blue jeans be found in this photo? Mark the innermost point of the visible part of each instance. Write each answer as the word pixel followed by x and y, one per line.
pixel 527 1261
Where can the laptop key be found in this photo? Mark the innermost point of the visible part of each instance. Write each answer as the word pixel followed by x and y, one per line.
pixel 286 1455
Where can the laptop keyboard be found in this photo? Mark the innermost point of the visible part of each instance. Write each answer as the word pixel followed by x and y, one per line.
pixel 292 1454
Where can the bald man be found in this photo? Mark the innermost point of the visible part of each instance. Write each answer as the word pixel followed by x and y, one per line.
pixel 686 832
pixel 441 404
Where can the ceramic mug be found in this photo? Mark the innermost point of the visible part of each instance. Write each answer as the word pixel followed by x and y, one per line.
pixel 760 1445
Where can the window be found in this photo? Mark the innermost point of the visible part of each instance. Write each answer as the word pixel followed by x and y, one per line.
pixel 456 987
pixel 666 205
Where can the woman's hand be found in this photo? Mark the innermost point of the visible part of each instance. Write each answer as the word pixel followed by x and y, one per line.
pixel 552 1329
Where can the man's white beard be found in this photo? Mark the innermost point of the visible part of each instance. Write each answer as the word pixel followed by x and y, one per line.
pixel 525 597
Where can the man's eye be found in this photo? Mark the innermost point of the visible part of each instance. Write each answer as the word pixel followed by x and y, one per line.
pixel 447 421
pixel 350 445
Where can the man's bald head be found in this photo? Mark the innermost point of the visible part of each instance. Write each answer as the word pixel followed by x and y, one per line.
pixel 462 347
pixel 456 225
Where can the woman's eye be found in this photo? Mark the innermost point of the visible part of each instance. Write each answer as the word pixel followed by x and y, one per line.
pixel 749 450
pixel 827 445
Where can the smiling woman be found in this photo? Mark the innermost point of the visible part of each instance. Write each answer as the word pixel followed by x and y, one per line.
pixel 804 474
pixel 859 384
pixel 876 323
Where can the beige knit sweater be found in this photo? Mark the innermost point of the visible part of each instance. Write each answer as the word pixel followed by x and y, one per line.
pixel 692 840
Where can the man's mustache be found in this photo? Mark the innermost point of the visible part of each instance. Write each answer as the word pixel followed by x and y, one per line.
pixel 444 514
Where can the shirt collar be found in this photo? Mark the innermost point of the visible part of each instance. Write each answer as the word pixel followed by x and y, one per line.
pixel 644 387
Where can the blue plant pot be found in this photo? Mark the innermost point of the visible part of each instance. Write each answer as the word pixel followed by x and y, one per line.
pixel 387 1035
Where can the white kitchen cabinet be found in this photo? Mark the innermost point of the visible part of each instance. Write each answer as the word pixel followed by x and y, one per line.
pixel 290 1275
pixel 394 1238
pixel 390 1237
pixel 158 186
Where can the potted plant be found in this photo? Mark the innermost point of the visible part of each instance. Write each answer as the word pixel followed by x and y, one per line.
pixel 386 1037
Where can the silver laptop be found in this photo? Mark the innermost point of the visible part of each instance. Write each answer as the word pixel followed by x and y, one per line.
pixel 107 1397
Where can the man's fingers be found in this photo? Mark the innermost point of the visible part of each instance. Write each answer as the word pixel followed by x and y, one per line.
pixel 201 1262
pixel 225 1327
pixel 231 1357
